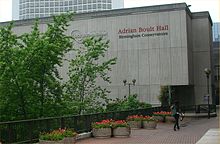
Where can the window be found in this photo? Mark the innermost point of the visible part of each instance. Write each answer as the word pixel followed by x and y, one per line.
pixel 37 10
pixel 51 4
pixel 84 7
pixel 79 1
pixel 41 10
pixel 56 9
pixel 46 10
pixel 84 1
pixel 66 9
pixel 51 10
pixel 79 7
pixel 66 3
pixel 46 4
pixel 31 10
pixel 109 6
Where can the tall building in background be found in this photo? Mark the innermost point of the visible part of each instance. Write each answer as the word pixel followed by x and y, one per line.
pixel 25 9
pixel 215 60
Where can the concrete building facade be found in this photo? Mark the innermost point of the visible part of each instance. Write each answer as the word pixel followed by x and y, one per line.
pixel 215 61
pixel 26 9
pixel 156 45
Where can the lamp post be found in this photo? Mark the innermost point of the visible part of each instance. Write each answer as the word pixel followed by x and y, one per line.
pixel 208 72
pixel 129 85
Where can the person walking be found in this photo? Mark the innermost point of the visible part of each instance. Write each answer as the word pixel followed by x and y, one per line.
pixel 175 114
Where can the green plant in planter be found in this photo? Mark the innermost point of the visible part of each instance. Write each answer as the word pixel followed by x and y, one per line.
pixel 135 118
pixel 119 123
pixel 103 124
pixel 148 118
pixel 57 135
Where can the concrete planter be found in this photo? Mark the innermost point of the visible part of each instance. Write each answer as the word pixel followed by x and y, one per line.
pixel 159 118
pixel 102 132
pixel 134 124
pixel 169 119
pixel 149 124
pixel 121 132
pixel 66 140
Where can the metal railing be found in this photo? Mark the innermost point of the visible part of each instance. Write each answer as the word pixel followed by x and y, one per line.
pixel 27 131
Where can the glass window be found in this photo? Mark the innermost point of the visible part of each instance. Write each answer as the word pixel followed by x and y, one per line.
pixel 66 9
pixel 46 10
pixel 75 8
pixel 37 15
pixel 41 10
pixel 94 6
pixel 61 9
pixel 36 4
pixel 104 6
pixel 31 4
pixel 52 4
pixel 32 16
pixel 84 1
pixel 51 9
pixel 75 2
pixel 70 8
pixel 89 1
pixel 84 7
pixel 109 6
pixel 37 10
pixel 41 15
pixel 61 3
pixel 56 9
pixel 46 4
pixel 99 6
pixel 56 3
pixel 31 10
pixel 79 1
pixel 80 7
pixel 89 6
pixel 66 3
pixel 41 4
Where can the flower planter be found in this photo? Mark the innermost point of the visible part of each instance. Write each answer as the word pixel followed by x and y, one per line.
pixel 134 124
pixel 149 124
pixel 159 118
pixel 66 140
pixel 170 119
pixel 121 132
pixel 102 132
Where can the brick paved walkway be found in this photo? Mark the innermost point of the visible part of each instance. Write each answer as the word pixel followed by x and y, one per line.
pixel 189 133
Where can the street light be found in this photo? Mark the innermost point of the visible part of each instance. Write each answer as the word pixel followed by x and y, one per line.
pixel 129 85
pixel 208 72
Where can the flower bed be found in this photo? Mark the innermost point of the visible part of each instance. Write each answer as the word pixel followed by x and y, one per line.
pixel 58 136
pixel 121 128
pixel 149 122
pixel 135 121
pixel 160 116
pixel 102 129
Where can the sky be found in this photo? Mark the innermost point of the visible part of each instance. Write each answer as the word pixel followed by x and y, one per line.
pixel 213 6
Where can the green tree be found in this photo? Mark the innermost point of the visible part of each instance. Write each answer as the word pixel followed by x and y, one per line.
pixel 85 70
pixel 29 80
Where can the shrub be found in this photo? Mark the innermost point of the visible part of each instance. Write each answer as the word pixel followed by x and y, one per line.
pixel 119 123
pixel 162 113
pixel 135 118
pixel 57 135
pixel 103 124
pixel 148 118
pixel 129 103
